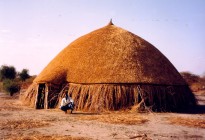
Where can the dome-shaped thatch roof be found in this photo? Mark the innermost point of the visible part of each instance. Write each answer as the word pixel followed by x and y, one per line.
pixel 111 55
pixel 111 69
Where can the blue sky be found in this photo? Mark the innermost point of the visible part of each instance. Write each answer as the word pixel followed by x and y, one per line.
pixel 33 32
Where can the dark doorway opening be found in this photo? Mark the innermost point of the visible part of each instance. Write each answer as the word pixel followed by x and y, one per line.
pixel 41 96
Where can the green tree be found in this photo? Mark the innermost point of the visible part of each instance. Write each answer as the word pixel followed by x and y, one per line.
pixel 7 72
pixel 24 74
pixel 10 86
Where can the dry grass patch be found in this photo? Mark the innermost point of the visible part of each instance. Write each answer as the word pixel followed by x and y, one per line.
pixel 23 124
pixel 44 137
pixel 10 109
pixel 128 119
pixel 188 122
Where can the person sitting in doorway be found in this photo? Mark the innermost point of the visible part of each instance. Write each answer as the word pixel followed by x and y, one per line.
pixel 67 103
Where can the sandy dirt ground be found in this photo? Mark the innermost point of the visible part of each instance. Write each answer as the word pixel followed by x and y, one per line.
pixel 22 122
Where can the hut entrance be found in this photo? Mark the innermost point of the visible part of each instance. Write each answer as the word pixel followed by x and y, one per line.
pixel 41 96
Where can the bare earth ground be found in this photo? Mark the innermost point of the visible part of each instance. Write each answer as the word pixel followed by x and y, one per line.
pixel 21 122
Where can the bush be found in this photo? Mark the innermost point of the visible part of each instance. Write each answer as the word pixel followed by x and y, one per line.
pixel 10 86
pixel 195 82
pixel 190 78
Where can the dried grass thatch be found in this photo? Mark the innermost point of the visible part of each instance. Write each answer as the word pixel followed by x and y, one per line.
pixel 110 55
pixel 29 97
pixel 103 97
pixel 111 69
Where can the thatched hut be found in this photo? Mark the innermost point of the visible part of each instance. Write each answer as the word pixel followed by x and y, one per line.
pixel 111 69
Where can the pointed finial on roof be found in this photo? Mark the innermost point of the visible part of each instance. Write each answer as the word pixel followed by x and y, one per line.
pixel 110 23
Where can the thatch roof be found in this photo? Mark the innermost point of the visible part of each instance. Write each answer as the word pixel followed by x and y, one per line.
pixel 111 69
pixel 111 55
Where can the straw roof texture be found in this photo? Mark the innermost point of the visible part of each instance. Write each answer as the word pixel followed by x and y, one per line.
pixel 110 55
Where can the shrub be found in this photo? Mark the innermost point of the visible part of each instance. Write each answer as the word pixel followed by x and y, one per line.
pixel 7 72
pixel 190 78
pixel 10 86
